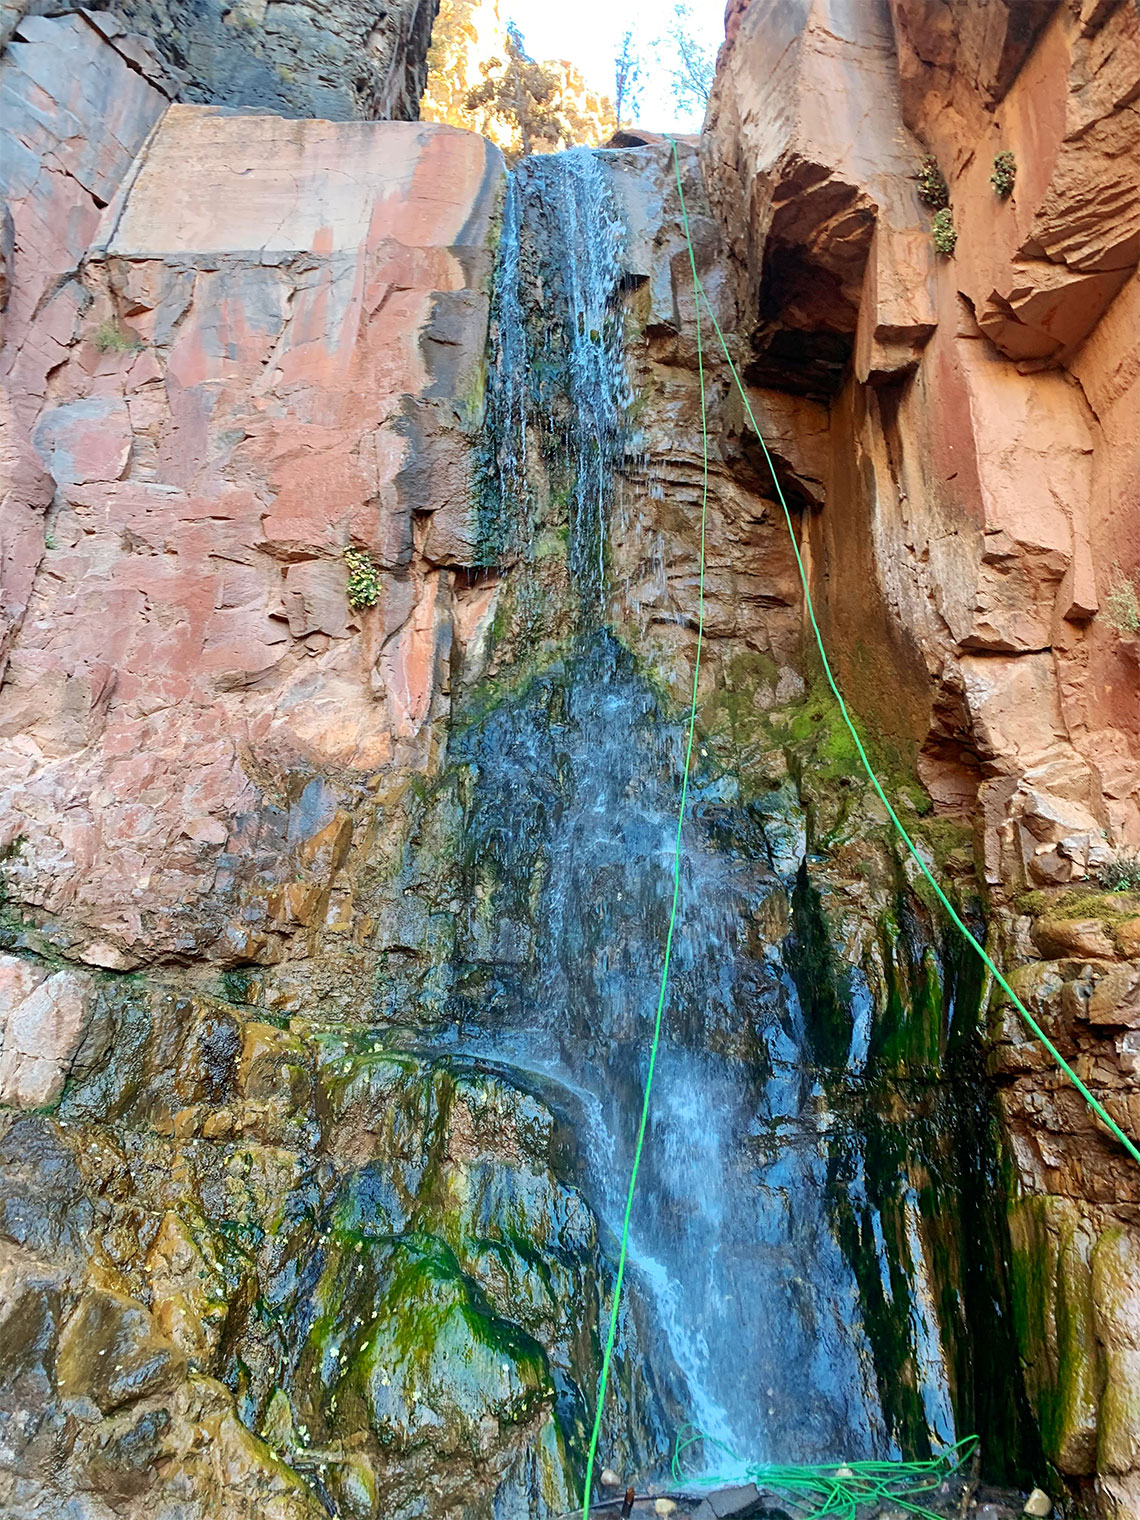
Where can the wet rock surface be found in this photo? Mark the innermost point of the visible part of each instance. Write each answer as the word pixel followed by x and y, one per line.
pixel 332 923
pixel 341 1194
pixel 982 593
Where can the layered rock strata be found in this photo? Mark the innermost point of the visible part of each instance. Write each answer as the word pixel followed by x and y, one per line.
pixel 284 1226
pixel 273 1238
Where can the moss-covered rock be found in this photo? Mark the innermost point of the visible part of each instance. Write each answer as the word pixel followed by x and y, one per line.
pixel 1056 1329
pixel 1116 1304
pixel 405 1336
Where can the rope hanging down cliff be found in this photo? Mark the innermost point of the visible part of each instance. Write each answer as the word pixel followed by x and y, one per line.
pixel 1097 1107
pixel 832 1485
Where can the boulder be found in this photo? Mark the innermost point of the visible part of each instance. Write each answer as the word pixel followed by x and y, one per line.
pixel 110 1352
pixel 1057 937
pixel 42 1019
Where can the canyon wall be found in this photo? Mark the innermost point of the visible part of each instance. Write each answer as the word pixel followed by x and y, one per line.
pixel 340 59
pixel 333 881
pixel 291 838
pixel 233 346
pixel 226 388
pixel 975 564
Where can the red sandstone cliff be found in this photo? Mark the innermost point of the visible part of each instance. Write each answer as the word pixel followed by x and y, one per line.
pixel 236 345
pixel 976 563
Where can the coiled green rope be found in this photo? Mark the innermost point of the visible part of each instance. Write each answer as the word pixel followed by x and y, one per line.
pixel 907 1473
pixel 838 1489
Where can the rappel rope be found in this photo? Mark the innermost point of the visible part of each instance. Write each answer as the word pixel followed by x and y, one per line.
pixel 1097 1107
pixel 830 1489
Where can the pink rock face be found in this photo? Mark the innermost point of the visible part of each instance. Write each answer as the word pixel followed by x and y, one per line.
pixel 25 495
pixel 84 441
pixel 821 165
pixel 1042 265
pixel 73 114
pixel 252 388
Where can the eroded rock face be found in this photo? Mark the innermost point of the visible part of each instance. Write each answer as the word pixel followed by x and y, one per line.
pixel 810 159
pixel 43 1022
pixel 247 1270
pixel 977 554
pixel 254 381
pixel 984 524
pixel 1059 94
pixel 273 1248
pixel 337 60
pixel 365 1280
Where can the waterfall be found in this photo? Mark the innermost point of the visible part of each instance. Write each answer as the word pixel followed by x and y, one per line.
pixel 753 1279
pixel 576 797
pixel 568 367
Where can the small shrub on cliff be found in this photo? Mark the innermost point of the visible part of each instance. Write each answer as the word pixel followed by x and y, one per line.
pixel 363 579
pixel 1121 604
pixel 110 338
pixel 944 232
pixel 932 187
pixel 1005 172
pixel 1121 874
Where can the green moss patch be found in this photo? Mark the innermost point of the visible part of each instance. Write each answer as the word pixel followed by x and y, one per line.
pixel 408 1344
pixel 1053 1316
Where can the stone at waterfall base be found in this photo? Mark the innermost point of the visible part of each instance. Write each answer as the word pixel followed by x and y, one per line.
pixel 728 1503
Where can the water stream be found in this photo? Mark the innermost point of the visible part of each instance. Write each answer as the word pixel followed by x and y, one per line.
pixel 756 1309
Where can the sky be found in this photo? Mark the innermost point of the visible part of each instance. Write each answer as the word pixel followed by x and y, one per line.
pixel 589 33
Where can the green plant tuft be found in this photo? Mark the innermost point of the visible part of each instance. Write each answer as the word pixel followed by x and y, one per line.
pixel 944 232
pixel 1121 605
pixel 363 579
pixel 1005 172
pixel 932 187
pixel 110 338
pixel 1121 874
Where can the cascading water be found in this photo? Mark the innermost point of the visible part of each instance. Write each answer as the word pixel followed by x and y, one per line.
pixel 572 814
pixel 571 373
pixel 756 1310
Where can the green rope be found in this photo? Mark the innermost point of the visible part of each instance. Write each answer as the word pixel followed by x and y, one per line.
pixel 1097 1108
pixel 837 1489
pixel 827 1490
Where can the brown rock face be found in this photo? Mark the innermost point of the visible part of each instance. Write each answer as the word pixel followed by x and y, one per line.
pixel 1059 94
pixel 977 556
